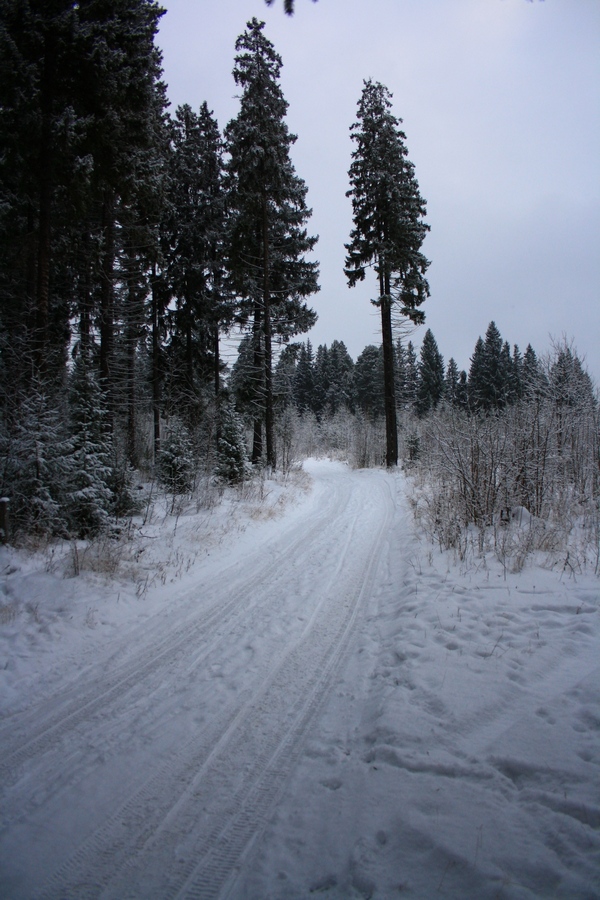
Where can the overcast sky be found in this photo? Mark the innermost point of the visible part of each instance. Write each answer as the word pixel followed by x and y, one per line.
pixel 500 102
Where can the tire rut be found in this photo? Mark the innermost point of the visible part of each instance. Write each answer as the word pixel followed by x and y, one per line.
pixel 184 831
pixel 44 731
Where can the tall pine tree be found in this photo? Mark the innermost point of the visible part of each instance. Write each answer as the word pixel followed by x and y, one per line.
pixel 195 273
pixel 268 240
pixel 389 229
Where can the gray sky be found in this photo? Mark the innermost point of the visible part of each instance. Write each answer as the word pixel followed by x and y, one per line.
pixel 500 101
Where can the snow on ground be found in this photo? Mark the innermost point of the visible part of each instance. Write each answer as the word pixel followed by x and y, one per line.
pixel 296 695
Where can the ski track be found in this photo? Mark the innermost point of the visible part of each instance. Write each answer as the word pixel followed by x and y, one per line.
pixel 183 825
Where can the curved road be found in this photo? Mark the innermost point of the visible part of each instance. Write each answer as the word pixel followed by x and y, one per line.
pixel 153 776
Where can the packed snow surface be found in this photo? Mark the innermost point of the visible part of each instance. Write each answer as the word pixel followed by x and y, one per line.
pixel 295 695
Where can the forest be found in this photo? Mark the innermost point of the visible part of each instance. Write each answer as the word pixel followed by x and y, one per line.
pixel 134 241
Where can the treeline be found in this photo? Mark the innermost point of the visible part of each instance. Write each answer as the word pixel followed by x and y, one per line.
pixel 520 472
pixel 131 240
pixel 327 380
pixel 507 453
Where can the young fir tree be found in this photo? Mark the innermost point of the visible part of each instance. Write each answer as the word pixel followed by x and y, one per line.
pixel 242 383
pixel 176 460
pixel 477 376
pixel 400 374
pixel 304 379
pixel 569 384
pixel 533 377
pixel 516 376
pixel 389 228
pixel 451 383
pixel 431 375
pixel 285 374
pixel 456 386
pixel 322 379
pixel 369 381
pixel 490 375
pixel 33 470
pixel 341 376
pixel 412 375
pixel 88 497
pixel 233 465
pixel 268 240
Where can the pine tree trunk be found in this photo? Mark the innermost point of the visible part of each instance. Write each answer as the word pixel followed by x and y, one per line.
pixel 45 204
pixel 217 381
pixel 217 362
pixel 107 303
pixel 258 365
pixel 189 373
pixel 131 336
pixel 269 412
pixel 85 299
pixel 43 271
pixel 156 398
pixel 391 427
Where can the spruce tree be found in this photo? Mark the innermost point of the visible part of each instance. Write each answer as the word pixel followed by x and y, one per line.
pixel 569 384
pixel 451 382
pixel 455 386
pixel 431 375
pixel 88 496
pixel 34 465
pixel 304 379
pixel 389 228
pixel 322 379
pixel 412 375
pixel 532 373
pixel 195 274
pixel 516 378
pixel 476 384
pixel 285 375
pixel 176 460
pixel 268 240
pixel 233 465
pixel 242 383
pixel 463 390
pixel 369 380
pixel 340 392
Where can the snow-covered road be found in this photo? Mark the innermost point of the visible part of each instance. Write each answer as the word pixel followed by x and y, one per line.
pixel 324 705
pixel 151 775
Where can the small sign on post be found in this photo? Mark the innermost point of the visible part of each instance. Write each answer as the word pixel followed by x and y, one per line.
pixel 4 506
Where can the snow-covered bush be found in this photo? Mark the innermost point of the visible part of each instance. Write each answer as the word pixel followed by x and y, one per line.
pixel 33 471
pixel 233 465
pixel 538 456
pixel 176 461
pixel 125 501
pixel 368 442
pixel 87 498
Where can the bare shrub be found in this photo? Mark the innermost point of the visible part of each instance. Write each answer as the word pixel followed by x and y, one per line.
pixel 368 442
pixel 102 555
pixel 538 457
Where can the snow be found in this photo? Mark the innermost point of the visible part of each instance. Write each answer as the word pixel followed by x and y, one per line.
pixel 289 692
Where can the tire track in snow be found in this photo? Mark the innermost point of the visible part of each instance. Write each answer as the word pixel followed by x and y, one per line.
pixel 33 733
pixel 184 831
